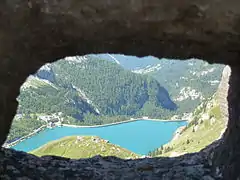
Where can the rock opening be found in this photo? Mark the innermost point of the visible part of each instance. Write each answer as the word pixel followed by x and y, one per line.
pixel 35 32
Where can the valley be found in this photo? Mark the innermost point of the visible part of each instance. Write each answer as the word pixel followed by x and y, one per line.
pixel 96 90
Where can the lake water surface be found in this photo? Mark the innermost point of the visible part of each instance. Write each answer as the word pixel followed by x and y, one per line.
pixel 139 136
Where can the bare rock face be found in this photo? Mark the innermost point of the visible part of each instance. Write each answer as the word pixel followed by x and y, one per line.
pixel 223 92
pixel 34 32
pixel 226 156
pixel 19 165
pixel 46 30
pixel 38 31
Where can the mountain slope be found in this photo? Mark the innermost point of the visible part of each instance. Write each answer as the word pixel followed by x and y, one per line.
pixel 101 87
pixel 76 147
pixel 187 82
pixel 79 86
pixel 124 91
pixel 92 90
pixel 87 91
pixel 48 98
pixel 206 126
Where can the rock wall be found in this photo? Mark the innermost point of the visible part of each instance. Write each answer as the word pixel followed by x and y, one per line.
pixel 34 32
pixel 226 156
pixel 21 165
pixel 38 31
pixel 222 92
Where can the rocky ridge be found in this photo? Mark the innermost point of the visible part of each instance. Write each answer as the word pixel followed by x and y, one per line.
pixel 222 92
pixel 20 165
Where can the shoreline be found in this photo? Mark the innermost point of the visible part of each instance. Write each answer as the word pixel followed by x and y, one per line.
pixel 178 132
pixel 9 145
pixel 122 122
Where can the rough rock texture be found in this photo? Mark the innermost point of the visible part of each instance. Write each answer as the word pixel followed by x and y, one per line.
pixel 223 91
pixel 34 32
pixel 227 155
pixel 19 164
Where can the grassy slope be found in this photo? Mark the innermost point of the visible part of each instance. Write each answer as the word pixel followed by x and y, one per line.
pixel 87 147
pixel 206 130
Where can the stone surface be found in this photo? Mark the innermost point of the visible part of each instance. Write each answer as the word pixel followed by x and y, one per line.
pixel 222 91
pixel 227 156
pixel 19 164
pixel 38 31
pixel 34 32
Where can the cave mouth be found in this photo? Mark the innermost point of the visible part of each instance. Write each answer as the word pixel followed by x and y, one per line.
pixel 33 33
pixel 139 66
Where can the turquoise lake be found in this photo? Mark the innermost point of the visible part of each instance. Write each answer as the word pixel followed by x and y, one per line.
pixel 139 136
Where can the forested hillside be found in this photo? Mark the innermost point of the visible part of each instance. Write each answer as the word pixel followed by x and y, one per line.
pixel 79 86
pixel 187 82
pixel 100 89
pixel 88 91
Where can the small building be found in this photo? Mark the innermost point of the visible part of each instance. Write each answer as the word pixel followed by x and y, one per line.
pixel 18 116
